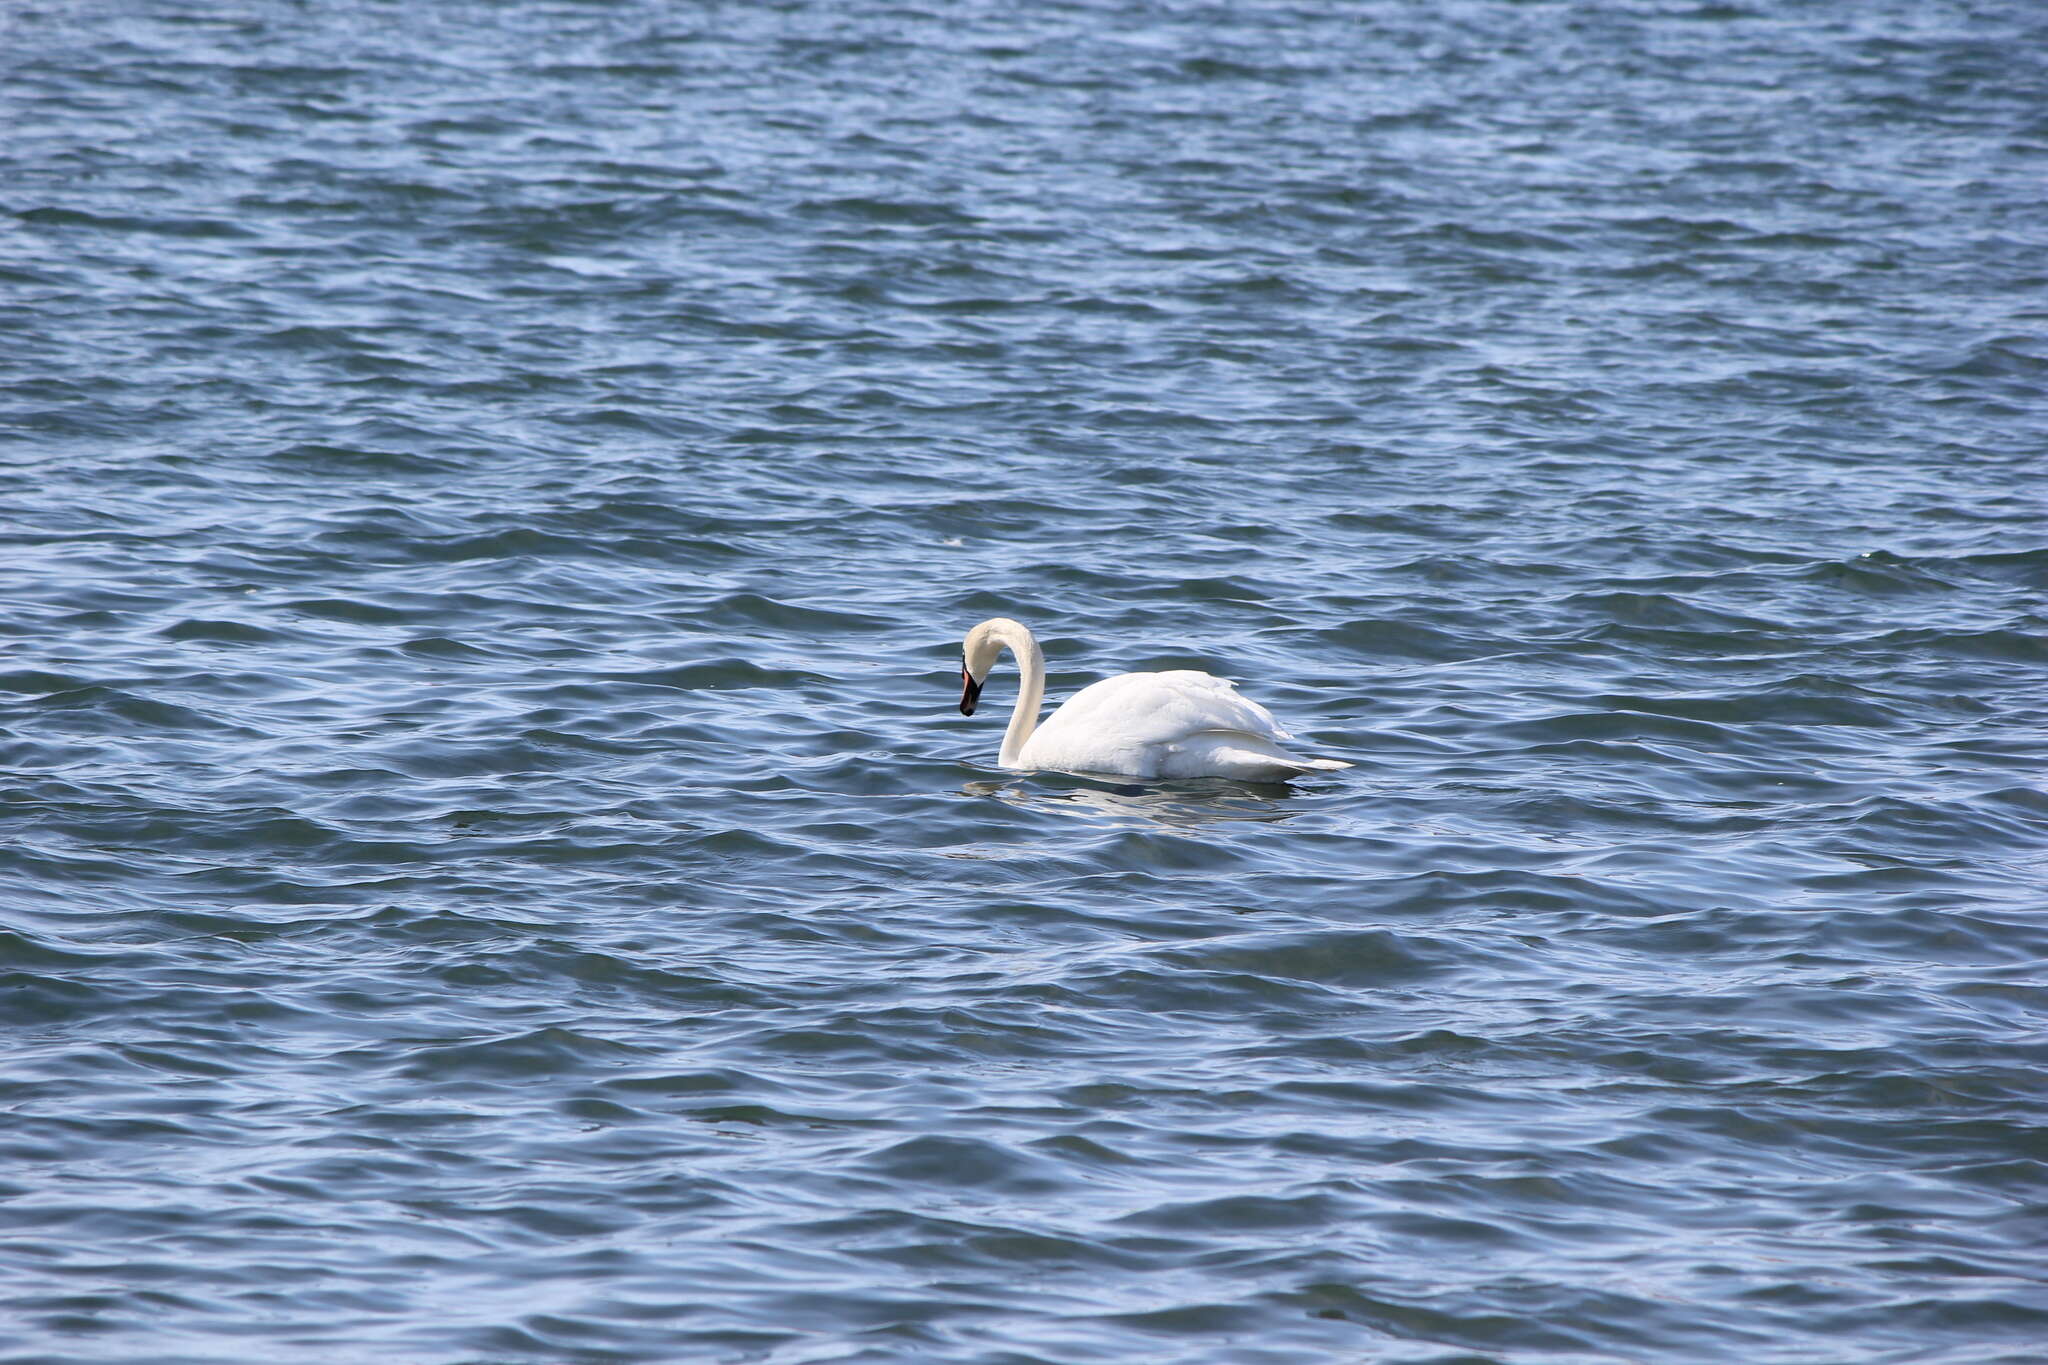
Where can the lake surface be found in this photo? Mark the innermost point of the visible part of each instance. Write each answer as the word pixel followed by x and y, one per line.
pixel 492 870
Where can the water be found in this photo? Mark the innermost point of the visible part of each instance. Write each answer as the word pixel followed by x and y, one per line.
pixel 492 871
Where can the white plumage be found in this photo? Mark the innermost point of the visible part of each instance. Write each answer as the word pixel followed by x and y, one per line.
pixel 1151 725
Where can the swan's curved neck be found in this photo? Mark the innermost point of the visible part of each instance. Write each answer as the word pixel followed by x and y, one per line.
pixel 1030 689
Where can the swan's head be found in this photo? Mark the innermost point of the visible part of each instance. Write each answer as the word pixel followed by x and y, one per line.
pixel 978 655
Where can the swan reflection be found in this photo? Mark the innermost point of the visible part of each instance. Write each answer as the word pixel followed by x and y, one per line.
pixel 1180 805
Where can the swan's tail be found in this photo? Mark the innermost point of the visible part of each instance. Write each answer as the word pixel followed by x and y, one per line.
pixel 1320 764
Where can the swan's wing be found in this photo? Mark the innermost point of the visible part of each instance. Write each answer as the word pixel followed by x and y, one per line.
pixel 1178 724
pixel 1160 708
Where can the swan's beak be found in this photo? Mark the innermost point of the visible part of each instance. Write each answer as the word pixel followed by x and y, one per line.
pixel 970 692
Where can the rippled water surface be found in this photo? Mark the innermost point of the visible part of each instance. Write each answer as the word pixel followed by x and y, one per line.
pixel 491 867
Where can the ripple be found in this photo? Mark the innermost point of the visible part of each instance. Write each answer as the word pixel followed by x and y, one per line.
pixel 491 864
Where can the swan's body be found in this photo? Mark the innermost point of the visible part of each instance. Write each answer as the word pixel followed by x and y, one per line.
pixel 1177 724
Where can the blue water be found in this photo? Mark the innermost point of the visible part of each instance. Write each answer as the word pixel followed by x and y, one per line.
pixel 491 870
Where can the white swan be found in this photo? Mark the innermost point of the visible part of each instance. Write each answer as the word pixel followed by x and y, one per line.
pixel 1178 724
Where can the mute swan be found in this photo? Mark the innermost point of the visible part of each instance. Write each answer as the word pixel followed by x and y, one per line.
pixel 1178 724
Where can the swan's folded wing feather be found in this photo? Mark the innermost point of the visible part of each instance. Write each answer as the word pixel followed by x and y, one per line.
pixel 1223 707
pixel 1158 708
pixel 1234 753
